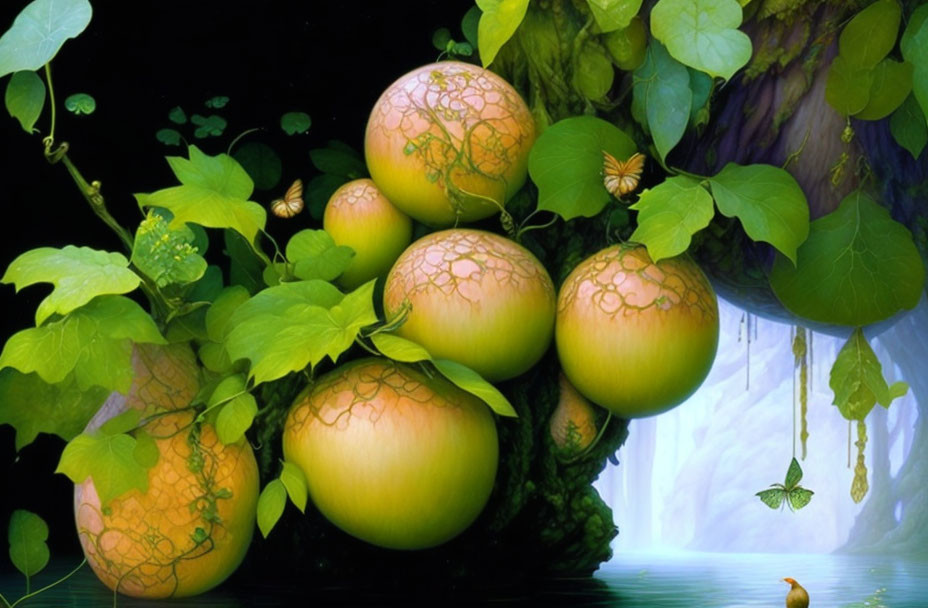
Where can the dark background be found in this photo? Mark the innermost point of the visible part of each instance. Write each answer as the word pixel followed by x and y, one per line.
pixel 139 60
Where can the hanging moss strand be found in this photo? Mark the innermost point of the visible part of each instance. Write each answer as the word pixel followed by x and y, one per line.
pixel 860 486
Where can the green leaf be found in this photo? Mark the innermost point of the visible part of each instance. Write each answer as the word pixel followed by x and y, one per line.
pixel 94 341
pixel 121 423
pixel 915 51
pixel 245 267
pixel 285 328
pixel 109 460
pixel 847 88
pixel 440 38
pixel 208 126
pixel 463 49
pixel 769 203
pixel 566 163
pixel 909 127
pixel 222 309
pixel 593 73
pixel 295 482
pixel 79 274
pixel 25 98
pixel 793 475
pixel 319 190
pixel 703 34
pixel 338 161
pixel 166 255
pixel 857 379
pixel 470 381
pixel 701 84
pixel 499 21
pixel 909 44
pixel 857 267
pixel 871 34
pixel 892 82
pixel 670 214
pixel 316 256
pixel 39 31
pixel 177 115
pixel 271 505
pixel 32 406
pixel 27 535
pixel 470 23
pixel 168 137
pixel 261 163
pixel 214 195
pixel 294 123
pixel 772 498
pixel 80 103
pixel 662 98
pixel 235 418
pixel 611 15
pixel 216 102
pixel 146 451
pixel 400 349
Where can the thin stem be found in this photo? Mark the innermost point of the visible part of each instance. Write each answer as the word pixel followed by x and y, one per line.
pixel 91 192
pixel 47 587
pixel 240 135
pixel 372 351
pixel 51 99
pixel 5 601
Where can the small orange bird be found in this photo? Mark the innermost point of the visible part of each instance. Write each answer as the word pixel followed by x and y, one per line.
pixel 797 596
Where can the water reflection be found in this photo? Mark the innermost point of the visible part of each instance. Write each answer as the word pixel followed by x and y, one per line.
pixel 638 580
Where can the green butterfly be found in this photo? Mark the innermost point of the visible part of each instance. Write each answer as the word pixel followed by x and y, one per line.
pixel 797 496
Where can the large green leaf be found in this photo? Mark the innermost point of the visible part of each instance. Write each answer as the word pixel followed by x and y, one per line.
pixel 110 460
pixel 768 201
pixel 316 256
pixel 27 535
pixel 166 255
pixel 238 409
pixel 566 163
pixel 32 406
pixel 213 194
pixel 401 349
pixel 79 274
pixel 857 267
pixel 847 88
pixel 221 310
pixel 295 482
pixel 25 98
pixel 871 34
pixel 39 31
pixel 261 163
pixel 472 382
pixel 892 82
pixel 499 21
pixel 271 505
pixel 703 34
pixel 915 51
pixel 94 341
pixel 857 379
pixel 593 73
pixel 283 329
pixel 613 15
pixel 670 214
pixel 909 127
pixel 338 159
pixel 661 99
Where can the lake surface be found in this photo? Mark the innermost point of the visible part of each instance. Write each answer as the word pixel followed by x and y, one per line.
pixel 639 580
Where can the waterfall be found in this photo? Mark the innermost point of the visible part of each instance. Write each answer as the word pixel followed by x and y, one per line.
pixel 687 478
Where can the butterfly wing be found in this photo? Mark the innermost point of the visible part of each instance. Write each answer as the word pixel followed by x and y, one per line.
pixel 632 172
pixel 612 174
pixel 773 498
pixel 621 177
pixel 799 497
pixel 291 203
pixel 793 475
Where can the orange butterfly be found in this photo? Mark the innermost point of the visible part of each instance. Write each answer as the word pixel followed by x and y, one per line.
pixel 291 203
pixel 621 178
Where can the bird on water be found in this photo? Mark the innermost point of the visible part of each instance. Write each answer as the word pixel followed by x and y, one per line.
pixel 797 597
